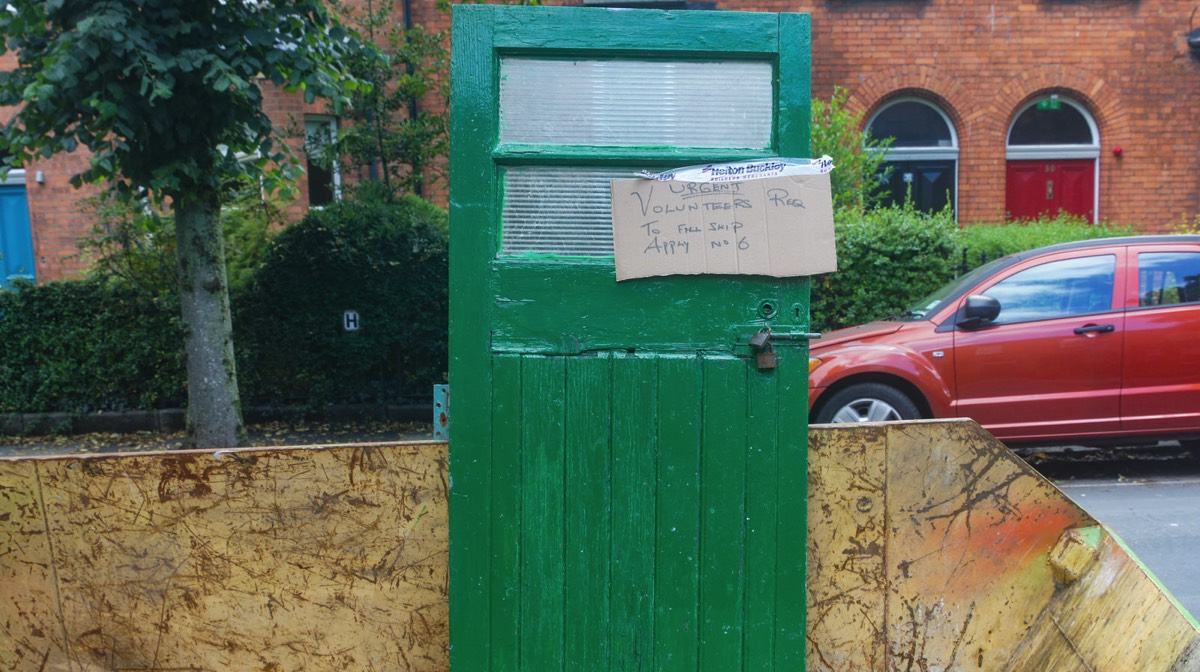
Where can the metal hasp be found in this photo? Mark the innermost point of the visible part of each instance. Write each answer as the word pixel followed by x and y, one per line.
pixel 441 412
pixel 627 487
pixel 764 352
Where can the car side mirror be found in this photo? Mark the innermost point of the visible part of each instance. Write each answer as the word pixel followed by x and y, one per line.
pixel 978 311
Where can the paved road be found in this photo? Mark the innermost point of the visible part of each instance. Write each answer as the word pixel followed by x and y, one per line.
pixel 1151 499
pixel 1159 519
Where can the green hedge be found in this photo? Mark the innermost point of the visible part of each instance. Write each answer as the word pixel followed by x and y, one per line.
pixel 985 242
pixel 102 346
pixel 108 345
pixel 81 347
pixel 886 258
pixel 386 260
pixel 889 258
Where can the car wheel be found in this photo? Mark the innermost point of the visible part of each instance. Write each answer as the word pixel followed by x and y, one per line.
pixel 868 402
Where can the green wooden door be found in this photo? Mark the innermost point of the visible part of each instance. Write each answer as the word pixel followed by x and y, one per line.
pixel 628 489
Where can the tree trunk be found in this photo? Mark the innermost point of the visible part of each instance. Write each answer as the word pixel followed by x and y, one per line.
pixel 214 414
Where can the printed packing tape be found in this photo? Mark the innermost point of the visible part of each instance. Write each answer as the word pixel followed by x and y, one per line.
pixel 739 171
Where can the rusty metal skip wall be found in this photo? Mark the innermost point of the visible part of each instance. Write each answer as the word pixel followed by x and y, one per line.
pixel 286 559
pixel 932 548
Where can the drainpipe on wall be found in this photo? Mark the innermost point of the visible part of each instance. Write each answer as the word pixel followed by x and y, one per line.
pixel 412 100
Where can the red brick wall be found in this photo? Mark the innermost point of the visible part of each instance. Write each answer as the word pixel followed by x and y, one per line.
pixel 288 111
pixel 57 217
pixel 1125 61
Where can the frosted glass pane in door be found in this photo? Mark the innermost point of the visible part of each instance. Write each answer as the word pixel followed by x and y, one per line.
pixel 724 104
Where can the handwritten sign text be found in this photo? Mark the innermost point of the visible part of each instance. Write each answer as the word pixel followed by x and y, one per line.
pixel 780 226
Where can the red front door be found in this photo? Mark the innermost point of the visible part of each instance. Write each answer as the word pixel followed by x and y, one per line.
pixel 1045 188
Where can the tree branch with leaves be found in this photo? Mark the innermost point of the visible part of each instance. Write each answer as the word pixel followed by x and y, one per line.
pixel 857 182
pixel 167 96
pixel 398 126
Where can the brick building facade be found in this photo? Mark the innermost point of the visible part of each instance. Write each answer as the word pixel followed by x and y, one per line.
pixel 1007 108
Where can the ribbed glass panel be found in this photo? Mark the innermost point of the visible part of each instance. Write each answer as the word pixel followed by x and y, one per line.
pixel 636 103
pixel 556 210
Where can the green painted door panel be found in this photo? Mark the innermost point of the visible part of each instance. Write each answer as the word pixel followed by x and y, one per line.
pixel 567 307
pixel 627 488
pixel 647 514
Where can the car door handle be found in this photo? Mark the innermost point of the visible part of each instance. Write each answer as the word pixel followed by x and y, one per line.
pixel 1095 329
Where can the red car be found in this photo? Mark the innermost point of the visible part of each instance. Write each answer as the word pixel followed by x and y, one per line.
pixel 1095 339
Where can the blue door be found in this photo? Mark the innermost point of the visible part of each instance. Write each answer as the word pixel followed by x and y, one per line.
pixel 16 239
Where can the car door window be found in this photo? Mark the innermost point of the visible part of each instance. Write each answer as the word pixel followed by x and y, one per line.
pixel 1168 278
pixel 1063 288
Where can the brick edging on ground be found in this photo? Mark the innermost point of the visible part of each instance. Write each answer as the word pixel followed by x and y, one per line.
pixel 172 419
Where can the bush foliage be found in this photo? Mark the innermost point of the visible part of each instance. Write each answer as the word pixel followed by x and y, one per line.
pixel 855 182
pixel 384 258
pixel 81 347
pixel 134 246
pixel 890 257
pixel 984 242
pixel 114 342
pixel 109 344
pixel 886 257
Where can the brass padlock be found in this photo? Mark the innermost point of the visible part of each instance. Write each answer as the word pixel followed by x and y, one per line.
pixel 766 357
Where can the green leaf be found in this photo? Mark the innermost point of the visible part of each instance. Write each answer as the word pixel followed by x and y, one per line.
pixel 162 89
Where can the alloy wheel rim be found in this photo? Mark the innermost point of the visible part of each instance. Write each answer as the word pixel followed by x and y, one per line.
pixel 866 410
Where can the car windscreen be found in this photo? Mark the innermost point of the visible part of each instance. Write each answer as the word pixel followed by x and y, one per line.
pixel 950 292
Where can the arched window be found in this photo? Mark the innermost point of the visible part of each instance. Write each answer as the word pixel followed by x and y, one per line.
pixel 922 161
pixel 1053 150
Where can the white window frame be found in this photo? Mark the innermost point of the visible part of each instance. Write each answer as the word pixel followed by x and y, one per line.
pixel 15 177
pixel 950 153
pixel 318 122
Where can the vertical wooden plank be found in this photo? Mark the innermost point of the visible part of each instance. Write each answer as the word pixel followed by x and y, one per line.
pixel 793 114
pixel 588 507
pixel 677 532
pixel 723 514
pixel 472 241
pixel 794 127
pixel 507 420
pixel 543 464
pixel 761 519
pixel 791 483
pixel 634 465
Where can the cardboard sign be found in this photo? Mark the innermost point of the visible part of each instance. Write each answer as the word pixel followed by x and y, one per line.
pixel 778 226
